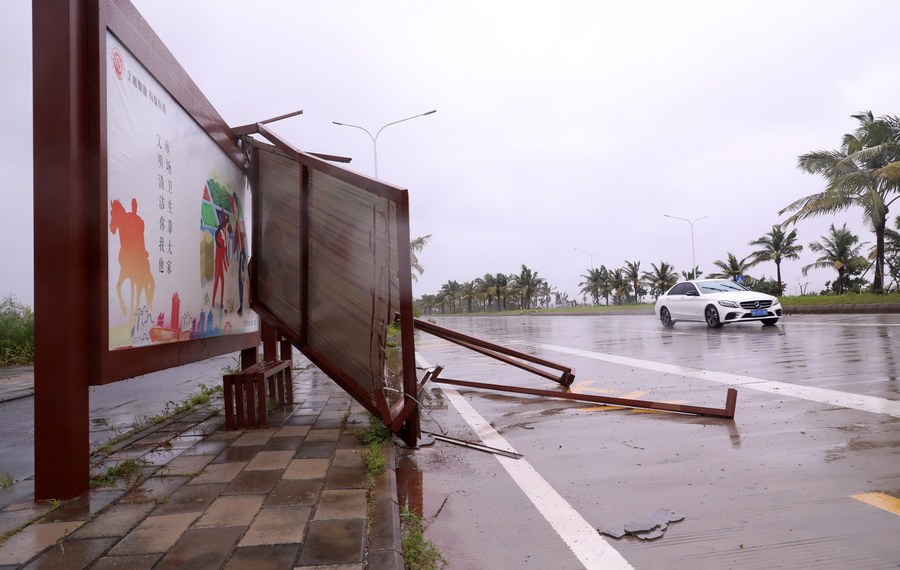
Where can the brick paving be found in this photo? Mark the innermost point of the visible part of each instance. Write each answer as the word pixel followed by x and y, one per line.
pixel 292 496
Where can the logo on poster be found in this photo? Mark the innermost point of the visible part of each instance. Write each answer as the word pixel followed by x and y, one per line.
pixel 118 63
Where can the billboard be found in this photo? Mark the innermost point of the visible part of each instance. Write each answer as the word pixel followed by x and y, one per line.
pixel 178 213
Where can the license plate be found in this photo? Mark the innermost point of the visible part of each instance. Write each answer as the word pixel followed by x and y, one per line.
pixel 759 313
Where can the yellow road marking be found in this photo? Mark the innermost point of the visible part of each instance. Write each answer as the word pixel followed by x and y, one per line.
pixel 882 501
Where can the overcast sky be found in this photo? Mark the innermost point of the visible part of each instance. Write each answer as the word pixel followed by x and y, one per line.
pixel 560 126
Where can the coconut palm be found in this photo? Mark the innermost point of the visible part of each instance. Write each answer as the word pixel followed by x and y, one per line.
pixel 864 172
pixel 487 288
pixel 501 286
pixel 415 246
pixel 620 286
pixel 892 252
pixel 632 271
pixel 840 250
pixel 661 278
pixel 777 246
pixel 450 291
pixel 593 284
pixel 732 267
pixel 528 283
pixel 694 274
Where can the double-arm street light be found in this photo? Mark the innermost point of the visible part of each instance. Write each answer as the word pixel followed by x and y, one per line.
pixel 693 259
pixel 375 138
pixel 588 253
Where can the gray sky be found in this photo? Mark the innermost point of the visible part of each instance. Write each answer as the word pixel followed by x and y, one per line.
pixel 560 125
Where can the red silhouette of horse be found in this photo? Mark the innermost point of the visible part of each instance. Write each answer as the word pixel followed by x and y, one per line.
pixel 134 261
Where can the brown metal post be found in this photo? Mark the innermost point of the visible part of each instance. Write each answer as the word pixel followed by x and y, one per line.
pixel 62 256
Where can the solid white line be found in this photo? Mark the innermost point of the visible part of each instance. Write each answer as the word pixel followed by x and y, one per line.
pixel 872 404
pixel 582 539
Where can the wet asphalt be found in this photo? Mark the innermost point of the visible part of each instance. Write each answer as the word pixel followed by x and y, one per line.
pixel 807 475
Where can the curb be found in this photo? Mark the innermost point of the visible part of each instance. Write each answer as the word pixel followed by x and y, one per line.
pixel 385 540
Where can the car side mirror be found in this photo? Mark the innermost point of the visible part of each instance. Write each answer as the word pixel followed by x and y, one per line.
pixel 692 294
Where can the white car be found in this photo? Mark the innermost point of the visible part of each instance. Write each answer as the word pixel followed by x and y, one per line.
pixel 715 302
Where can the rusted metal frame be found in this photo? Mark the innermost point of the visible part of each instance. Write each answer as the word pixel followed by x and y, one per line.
pixel 258 128
pixel 410 433
pixel 63 197
pixel 726 412
pixel 496 350
pixel 251 128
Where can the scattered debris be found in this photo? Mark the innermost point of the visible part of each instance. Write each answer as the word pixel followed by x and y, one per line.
pixel 648 527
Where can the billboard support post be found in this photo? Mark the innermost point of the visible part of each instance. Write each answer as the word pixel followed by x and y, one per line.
pixel 63 262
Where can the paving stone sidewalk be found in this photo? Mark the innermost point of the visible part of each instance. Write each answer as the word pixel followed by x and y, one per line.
pixel 292 496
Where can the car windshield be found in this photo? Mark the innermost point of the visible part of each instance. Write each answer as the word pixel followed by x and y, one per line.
pixel 720 286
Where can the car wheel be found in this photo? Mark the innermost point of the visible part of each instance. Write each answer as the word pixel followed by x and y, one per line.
pixel 665 318
pixel 712 317
pixel 769 322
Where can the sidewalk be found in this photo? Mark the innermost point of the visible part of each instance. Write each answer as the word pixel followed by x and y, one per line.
pixel 292 496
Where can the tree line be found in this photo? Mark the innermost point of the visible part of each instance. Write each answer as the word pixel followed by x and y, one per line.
pixel 864 172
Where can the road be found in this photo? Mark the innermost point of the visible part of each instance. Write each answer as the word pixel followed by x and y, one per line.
pixel 807 474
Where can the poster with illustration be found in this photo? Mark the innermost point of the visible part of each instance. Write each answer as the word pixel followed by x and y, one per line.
pixel 178 214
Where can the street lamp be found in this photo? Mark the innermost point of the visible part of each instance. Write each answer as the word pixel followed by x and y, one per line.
pixel 693 259
pixel 375 138
pixel 588 253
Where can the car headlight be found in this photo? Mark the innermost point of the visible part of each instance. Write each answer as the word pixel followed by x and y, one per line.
pixel 775 302
pixel 731 304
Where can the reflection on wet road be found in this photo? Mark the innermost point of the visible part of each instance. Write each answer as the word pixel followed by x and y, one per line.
pixel 775 487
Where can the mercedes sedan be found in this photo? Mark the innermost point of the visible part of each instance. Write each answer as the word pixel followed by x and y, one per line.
pixel 715 302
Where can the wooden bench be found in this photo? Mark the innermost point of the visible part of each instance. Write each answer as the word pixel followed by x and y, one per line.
pixel 246 392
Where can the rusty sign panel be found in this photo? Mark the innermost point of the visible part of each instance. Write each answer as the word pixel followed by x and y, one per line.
pixel 331 270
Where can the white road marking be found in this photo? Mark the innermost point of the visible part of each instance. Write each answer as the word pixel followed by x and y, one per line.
pixel 872 404
pixel 582 539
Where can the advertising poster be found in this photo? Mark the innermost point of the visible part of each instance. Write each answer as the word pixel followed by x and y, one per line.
pixel 178 218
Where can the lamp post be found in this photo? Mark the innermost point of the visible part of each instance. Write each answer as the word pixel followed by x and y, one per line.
pixel 693 259
pixel 375 138
pixel 588 253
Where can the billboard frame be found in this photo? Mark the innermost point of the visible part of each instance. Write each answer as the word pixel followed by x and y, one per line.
pixel 70 226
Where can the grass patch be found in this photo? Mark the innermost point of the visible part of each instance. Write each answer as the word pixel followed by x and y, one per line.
pixel 6 480
pixel 845 299
pixel 419 553
pixel 129 470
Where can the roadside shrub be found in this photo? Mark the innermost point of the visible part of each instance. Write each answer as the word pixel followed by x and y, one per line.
pixel 16 333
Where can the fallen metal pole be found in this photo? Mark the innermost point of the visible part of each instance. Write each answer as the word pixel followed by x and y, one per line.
pixel 727 412
pixel 476 446
pixel 501 353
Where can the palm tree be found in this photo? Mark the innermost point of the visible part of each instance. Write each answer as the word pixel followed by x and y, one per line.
pixel 528 283
pixel 592 284
pixel 468 291
pixel 415 246
pixel 501 284
pixel 694 274
pixel 605 283
pixel 840 250
pixel 487 287
pixel 864 172
pixel 777 246
pixel 661 279
pixel 450 290
pixel 731 267
pixel 892 252
pixel 620 286
pixel 633 274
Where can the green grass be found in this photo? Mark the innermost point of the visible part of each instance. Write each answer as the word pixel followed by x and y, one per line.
pixel 419 553
pixel 845 299
pixel 129 470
